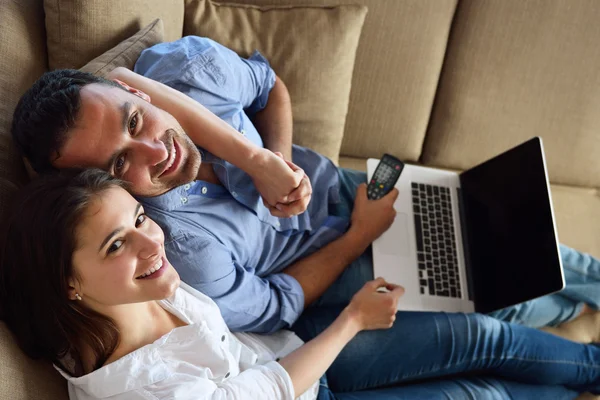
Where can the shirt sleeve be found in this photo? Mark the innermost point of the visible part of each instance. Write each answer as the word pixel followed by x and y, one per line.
pixel 248 303
pixel 218 72
pixel 261 382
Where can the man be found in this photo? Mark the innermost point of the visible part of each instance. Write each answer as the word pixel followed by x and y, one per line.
pixel 262 269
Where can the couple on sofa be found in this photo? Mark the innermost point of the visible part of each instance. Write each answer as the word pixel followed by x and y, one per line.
pixel 90 276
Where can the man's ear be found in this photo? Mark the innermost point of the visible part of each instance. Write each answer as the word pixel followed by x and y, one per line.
pixel 134 91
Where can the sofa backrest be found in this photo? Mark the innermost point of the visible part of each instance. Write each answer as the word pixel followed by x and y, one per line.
pixel 516 69
pixel 22 60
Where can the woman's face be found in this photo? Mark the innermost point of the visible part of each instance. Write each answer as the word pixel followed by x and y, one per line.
pixel 120 255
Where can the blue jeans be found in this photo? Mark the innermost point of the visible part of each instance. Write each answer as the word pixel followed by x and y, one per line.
pixel 421 340
pixel 425 345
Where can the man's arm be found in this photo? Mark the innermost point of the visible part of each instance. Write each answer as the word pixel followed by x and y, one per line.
pixel 274 122
pixel 275 126
pixel 370 219
pixel 248 303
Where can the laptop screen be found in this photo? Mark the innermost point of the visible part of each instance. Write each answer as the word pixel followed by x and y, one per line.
pixel 511 247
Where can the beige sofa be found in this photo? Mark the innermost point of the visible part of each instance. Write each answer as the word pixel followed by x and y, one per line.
pixel 444 83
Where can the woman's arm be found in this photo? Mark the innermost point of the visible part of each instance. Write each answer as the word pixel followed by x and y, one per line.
pixel 274 179
pixel 369 309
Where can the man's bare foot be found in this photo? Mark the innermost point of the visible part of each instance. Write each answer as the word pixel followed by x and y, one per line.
pixel 583 329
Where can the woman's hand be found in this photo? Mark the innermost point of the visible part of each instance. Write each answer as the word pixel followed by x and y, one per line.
pixel 284 187
pixel 372 309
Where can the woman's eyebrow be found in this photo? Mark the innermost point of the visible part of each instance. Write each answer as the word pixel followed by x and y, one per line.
pixel 119 229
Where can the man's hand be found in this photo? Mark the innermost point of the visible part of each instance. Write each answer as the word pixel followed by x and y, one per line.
pixel 284 186
pixel 370 218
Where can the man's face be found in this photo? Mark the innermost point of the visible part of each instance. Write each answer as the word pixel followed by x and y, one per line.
pixel 131 139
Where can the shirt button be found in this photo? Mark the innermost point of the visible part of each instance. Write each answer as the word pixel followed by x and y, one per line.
pixel 187 186
pixel 234 194
pixel 227 375
pixel 243 132
pixel 204 190
pixel 184 200
pixel 223 338
pixel 277 224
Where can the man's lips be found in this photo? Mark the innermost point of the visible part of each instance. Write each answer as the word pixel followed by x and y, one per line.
pixel 176 151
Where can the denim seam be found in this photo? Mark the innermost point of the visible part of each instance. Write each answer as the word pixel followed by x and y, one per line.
pixel 505 359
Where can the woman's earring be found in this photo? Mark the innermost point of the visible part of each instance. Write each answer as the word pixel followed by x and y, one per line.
pixel 77 296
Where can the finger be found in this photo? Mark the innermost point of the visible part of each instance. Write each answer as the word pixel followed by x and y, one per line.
pixel 392 195
pixel 279 214
pixel 293 166
pixel 302 191
pixel 280 155
pixel 377 283
pixel 397 292
pixel 294 208
pixel 298 177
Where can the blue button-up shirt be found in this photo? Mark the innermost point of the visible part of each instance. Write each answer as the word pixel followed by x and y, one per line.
pixel 221 239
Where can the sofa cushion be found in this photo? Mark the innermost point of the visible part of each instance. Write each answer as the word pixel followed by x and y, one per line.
pixel 398 63
pixel 126 53
pixel 312 49
pixel 577 212
pixel 80 30
pixel 516 69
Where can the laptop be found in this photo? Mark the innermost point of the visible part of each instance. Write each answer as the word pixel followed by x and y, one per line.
pixel 479 240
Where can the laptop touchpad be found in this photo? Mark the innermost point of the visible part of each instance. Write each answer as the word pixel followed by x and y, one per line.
pixel 395 240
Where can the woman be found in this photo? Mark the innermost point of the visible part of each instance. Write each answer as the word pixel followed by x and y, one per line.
pixel 86 285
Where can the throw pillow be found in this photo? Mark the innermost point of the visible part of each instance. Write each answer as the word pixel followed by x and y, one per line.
pixel 312 49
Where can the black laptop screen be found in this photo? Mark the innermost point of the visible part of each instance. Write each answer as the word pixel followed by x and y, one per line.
pixel 511 243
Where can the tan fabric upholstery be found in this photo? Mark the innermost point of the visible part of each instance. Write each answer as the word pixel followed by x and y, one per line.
pixel 126 53
pixel 396 73
pixel 23 378
pixel 322 41
pixel 80 30
pixel 22 61
pixel 517 69
pixel 578 217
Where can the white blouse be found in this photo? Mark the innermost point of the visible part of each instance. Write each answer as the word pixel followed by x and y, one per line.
pixel 202 360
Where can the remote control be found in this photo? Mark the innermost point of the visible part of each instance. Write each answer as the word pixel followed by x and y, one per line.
pixel 386 174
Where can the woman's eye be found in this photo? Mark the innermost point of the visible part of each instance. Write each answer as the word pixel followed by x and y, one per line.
pixel 119 164
pixel 133 123
pixel 116 245
pixel 140 219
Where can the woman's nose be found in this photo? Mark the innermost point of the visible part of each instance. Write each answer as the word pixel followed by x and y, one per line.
pixel 150 245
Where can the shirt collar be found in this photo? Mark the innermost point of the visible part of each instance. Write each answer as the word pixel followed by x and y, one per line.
pixel 167 201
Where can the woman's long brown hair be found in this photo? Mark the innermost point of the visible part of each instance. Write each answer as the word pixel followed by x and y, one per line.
pixel 35 267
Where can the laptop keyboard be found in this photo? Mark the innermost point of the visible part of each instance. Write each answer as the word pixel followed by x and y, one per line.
pixel 436 243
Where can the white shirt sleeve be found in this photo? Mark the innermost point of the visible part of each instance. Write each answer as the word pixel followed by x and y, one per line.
pixel 261 382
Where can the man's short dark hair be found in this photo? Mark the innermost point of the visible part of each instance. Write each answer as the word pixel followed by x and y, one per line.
pixel 46 112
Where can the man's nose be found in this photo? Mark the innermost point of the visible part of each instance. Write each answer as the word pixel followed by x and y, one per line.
pixel 150 151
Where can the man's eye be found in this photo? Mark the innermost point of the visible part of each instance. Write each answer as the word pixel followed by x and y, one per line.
pixel 140 220
pixel 116 245
pixel 133 123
